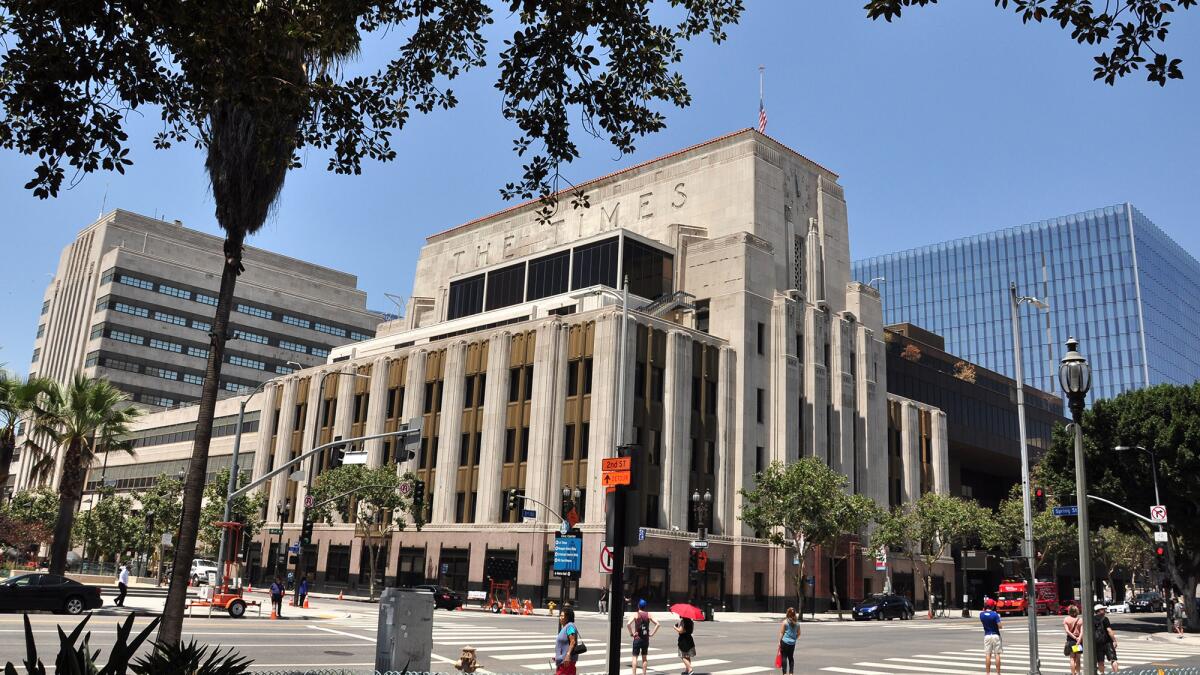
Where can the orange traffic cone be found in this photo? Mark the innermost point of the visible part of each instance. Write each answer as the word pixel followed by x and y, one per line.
pixel 306 602
pixel 273 616
pixel 340 595
pixel 249 588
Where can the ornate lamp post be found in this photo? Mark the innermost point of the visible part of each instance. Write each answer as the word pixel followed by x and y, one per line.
pixel 700 507
pixel 1076 376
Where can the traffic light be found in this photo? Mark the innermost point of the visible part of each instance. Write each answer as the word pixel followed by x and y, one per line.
pixel 512 500
pixel 1039 499
pixel 306 532
pixel 1160 556
pixel 701 560
pixel 418 495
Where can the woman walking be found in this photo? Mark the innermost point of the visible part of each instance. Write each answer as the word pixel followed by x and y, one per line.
pixel 687 645
pixel 1073 627
pixel 564 644
pixel 789 632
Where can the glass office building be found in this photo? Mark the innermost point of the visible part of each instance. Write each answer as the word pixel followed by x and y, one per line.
pixel 1114 280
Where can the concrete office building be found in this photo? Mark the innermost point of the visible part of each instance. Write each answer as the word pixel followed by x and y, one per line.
pixel 133 298
pixel 1115 281
pixel 747 342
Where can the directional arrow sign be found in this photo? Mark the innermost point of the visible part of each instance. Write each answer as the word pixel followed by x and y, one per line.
pixel 1062 511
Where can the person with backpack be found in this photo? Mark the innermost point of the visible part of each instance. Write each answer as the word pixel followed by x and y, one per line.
pixel 640 628
pixel 789 632
pixel 686 644
pixel 1105 639
pixel 277 591
pixel 566 644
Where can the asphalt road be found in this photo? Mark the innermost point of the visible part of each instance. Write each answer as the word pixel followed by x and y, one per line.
pixel 515 644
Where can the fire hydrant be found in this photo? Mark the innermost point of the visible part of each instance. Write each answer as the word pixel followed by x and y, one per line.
pixel 466 661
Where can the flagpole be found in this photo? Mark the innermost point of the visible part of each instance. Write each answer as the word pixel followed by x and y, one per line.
pixel 760 84
pixel 762 111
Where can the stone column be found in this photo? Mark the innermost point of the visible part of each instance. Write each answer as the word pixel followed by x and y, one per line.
pixel 677 418
pixel 604 409
pixel 266 425
pixel 414 396
pixel 450 433
pixel 545 431
pixel 816 383
pixel 283 446
pixel 940 452
pixel 491 451
pixel 308 438
pixel 784 380
pixel 377 412
pixel 344 385
pixel 910 451
pixel 727 502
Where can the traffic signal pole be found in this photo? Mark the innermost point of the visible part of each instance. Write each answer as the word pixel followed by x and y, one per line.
pixel 616 597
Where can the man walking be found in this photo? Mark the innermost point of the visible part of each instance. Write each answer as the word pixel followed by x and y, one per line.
pixel 302 592
pixel 1179 616
pixel 639 628
pixel 993 645
pixel 122 584
pixel 1105 638
pixel 277 591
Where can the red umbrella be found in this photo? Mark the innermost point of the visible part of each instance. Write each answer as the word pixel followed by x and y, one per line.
pixel 687 611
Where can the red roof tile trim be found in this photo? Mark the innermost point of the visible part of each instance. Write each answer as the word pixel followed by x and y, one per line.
pixel 618 172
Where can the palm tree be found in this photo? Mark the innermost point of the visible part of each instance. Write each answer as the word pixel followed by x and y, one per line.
pixel 83 419
pixel 17 402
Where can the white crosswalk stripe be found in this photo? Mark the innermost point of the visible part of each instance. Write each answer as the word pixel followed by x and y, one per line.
pixel 1015 660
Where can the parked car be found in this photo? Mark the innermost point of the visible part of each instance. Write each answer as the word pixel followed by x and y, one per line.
pixel 200 570
pixel 1118 608
pixel 48 592
pixel 883 606
pixel 443 598
pixel 1148 601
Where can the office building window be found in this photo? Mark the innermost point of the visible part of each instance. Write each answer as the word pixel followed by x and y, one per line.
pixel 122 336
pixel 510 445
pixel 93 358
pixel 136 282
pixel 529 383
pixel 236 388
pixel 760 459
pixel 466 297
pixel 514 384
pixel 330 330
pixel 762 337
pixel 318 351
pixel 584 440
pixel 284 370
pixel 548 276
pixel 130 309
pixel 206 299
pixel 649 269
pixel 45 307
pixel 760 405
pixel 170 318
pixel 296 321
pixel 525 444
pixel 41 330
pixel 36 353
pixel 198 352
pixel 246 363
pixel 506 287
pixel 165 345
pixel 107 277
pixel 161 401
pixel 201 325
pixel 254 311
pixel 193 379
pixel 594 264
pixel 359 337
pixel 293 346
pixel 569 442
pixel 117 364
pixel 174 292
pixel 162 372
pixel 251 337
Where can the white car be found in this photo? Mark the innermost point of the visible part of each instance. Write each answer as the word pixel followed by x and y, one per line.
pixel 201 569
pixel 1122 608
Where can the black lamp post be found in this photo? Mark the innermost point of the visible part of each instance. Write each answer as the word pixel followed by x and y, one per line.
pixel 281 512
pixel 146 545
pixel 700 506
pixel 570 495
pixel 1075 374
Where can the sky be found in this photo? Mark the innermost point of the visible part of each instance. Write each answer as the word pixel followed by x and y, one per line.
pixel 952 120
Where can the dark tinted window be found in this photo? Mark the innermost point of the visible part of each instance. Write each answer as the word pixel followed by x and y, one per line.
pixel 52 580
pixel 548 276
pixel 595 264
pixel 649 269
pixel 466 297
pixel 506 286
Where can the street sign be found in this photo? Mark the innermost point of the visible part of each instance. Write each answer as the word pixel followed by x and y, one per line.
pixel 166 539
pixel 406 488
pixel 528 513
pixel 700 543
pixel 617 464
pixel 294 548
pixel 641 534
pixel 1159 535
pixel 881 564
pixel 1062 511
pixel 359 457
pixel 796 560
pixel 614 478
pixel 309 501
pixel 275 530
pixel 1158 514
pixel 605 558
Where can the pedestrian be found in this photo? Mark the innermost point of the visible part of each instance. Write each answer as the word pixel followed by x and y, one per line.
pixel 1106 639
pixel 1073 627
pixel 604 600
pixel 302 591
pixel 1180 616
pixel 277 591
pixel 993 645
pixel 789 632
pixel 122 584
pixel 686 643
pixel 565 643
pixel 640 628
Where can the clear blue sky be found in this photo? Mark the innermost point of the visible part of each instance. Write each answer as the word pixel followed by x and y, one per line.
pixel 954 120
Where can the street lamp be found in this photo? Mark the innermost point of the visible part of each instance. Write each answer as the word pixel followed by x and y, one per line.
pixel 700 507
pixel 281 512
pixel 570 497
pixel 146 546
pixel 233 476
pixel 1035 667
pixel 1076 377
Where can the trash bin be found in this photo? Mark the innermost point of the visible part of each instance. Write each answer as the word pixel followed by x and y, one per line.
pixel 708 611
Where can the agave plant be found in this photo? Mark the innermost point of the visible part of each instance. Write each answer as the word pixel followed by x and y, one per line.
pixel 190 659
pixel 78 659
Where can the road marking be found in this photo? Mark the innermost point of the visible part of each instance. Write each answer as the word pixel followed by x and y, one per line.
pixel 339 632
pixel 920 669
pixel 855 671
pixel 743 671
pixel 592 662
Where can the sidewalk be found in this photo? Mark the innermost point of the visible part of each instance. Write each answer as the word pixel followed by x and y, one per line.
pixel 1189 639
pixel 152 605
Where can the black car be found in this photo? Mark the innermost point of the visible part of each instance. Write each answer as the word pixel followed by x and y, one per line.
pixel 1150 601
pixel 883 606
pixel 48 592
pixel 443 598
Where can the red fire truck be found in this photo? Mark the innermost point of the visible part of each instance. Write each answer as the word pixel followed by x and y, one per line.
pixel 1011 597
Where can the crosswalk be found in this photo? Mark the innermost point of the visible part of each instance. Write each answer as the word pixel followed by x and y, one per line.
pixel 505 650
pixel 1015 659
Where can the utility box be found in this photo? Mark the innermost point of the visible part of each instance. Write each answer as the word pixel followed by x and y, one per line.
pixel 405 636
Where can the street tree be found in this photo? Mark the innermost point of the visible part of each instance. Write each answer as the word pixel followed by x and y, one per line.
pixel 1165 418
pixel 165 501
pixel 28 519
pixel 17 403
pixel 377 501
pixel 1131 33
pixel 248 508
pixel 82 420
pixel 109 529
pixel 255 83
pixel 1052 536
pixel 1115 549
pixel 923 531
pixel 801 505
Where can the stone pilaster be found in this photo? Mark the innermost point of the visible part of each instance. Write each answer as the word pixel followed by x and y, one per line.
pixel 910 451
pixel 491 452
pixel 727 502
pixel 283 449
pixel 266 424
pixel 604 409
pixel 784 378
pixel 940 452
pixel 816 384
pixel 676 442
pixel 345 384
pixel 872 402
pixel 545 430
pixel 449 433
pixel 308 438
pixel 377 412
pixel 414 396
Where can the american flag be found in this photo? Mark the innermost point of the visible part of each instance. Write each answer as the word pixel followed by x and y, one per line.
pixel 762 117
